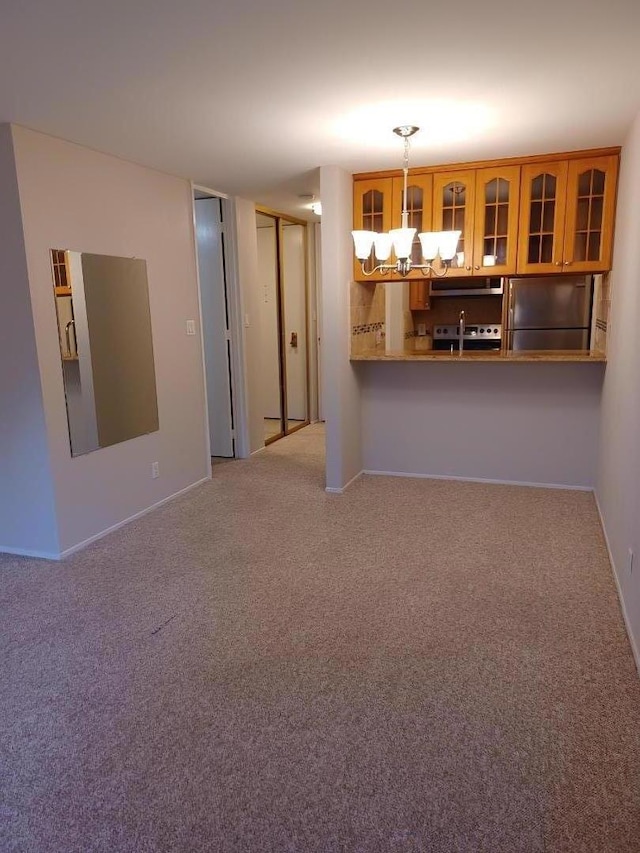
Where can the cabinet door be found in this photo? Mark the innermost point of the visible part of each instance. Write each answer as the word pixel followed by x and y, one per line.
pixel 591 194
pixel 419 209
pixel 453 208
pixel 495 242
pixel 371 212
pixel 419 299
pixel 542 217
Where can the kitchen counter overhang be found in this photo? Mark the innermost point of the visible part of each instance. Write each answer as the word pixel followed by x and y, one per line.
pixel 524 356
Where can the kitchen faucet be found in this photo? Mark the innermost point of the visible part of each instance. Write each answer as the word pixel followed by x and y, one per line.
pixel 461 332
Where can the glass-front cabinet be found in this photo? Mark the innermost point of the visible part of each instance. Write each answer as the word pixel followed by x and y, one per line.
pixel 372 211
pixel 591 196
pixel 419 210
pixel 566 215
pixel 542 217
pixel 453 208
pixel 495 243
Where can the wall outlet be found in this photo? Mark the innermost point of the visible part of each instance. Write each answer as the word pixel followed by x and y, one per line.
pixel 191 327
pixel 630 561
pixel 155 470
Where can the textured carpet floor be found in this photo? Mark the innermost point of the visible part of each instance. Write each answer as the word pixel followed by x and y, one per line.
pixel 259 666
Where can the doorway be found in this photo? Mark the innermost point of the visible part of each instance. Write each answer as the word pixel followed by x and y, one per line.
pixel 209 212
pixel 284 323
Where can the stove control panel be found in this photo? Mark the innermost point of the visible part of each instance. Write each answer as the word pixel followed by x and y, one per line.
pixel 481 332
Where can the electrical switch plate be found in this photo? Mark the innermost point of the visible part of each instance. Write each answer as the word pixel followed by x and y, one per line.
pixel 422 329
pixel 155 470
pixel 191 327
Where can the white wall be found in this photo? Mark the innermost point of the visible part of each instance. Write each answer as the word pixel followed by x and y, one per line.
pixel 528 423
pixel 27 509
pixel 75 198
pixel 618 481
pixel 340 386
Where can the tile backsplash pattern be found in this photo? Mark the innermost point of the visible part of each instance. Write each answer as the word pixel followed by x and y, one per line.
pixel 367 316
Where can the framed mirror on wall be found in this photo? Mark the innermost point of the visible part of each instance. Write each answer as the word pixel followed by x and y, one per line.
pixel 106 345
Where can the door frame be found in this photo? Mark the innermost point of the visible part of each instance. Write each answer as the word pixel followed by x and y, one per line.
pixel 234 307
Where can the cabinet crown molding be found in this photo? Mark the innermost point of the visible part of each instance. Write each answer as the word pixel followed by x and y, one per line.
pixel 484 164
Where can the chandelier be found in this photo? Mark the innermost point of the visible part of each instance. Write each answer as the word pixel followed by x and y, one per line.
pixel 434 244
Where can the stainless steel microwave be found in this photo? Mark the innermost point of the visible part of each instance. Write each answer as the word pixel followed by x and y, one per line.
pixel 479 286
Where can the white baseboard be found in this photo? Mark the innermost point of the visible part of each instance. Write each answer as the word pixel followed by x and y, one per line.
pixel 122 523
pixel 627 623
pixel 478 480
pixel 27 552
pixel 339 491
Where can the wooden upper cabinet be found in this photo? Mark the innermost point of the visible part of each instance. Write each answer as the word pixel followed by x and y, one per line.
pixel 495 243
pixel 453 209
pixel 551 214
pixel 419 209
pixel 566 215
pixel 591 197
pixel 372 211
pixel 542 217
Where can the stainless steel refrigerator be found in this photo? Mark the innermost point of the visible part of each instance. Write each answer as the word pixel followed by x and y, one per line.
pixel 550 313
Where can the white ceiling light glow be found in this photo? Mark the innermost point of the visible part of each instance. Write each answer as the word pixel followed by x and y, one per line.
pixel 433 244
pixel 447 121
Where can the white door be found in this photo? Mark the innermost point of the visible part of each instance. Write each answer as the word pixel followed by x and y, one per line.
pixel 215 324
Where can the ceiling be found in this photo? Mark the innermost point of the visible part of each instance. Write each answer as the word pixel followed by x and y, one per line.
pixel 249 97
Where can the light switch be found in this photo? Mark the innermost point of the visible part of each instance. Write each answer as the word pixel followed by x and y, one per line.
pixel 191 327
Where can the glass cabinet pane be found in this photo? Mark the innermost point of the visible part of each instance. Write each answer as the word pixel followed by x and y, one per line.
pixel 415 211
pixel 588 228
pixel 372 206
pixel 496 200
pixel 454 204
pixel 542 213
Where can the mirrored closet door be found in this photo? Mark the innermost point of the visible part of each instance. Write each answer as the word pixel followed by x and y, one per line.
pixel 283 323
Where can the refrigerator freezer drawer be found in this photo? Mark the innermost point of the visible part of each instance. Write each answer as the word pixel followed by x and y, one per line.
pixel 549 339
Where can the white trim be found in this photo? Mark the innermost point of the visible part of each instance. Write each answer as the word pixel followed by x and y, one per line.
pixel 478 480
pixel 339 491
pixel 25 552
pixel 202 189
pixel 194 227
pixel 635 651
pixel 259 450
pixel 142 512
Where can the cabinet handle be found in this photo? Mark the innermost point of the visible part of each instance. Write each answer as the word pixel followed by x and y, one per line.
pixel 567 263
pixel 558 263
pixel 477 266
pixel 468 268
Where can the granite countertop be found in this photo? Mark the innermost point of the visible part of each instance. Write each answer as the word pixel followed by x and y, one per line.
pixel 584 356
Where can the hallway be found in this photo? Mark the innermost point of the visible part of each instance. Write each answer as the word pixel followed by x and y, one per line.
pixel 415 665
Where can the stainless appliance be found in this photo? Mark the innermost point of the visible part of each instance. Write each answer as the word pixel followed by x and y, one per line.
pixel 480 286
pixel 549 313
pixel 476 337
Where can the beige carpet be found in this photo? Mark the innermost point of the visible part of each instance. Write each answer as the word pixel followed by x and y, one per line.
pixel 259 666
